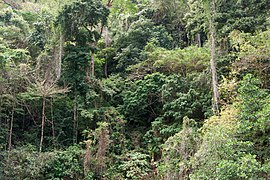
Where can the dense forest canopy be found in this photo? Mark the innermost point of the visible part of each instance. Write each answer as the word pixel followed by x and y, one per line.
pixel 134 89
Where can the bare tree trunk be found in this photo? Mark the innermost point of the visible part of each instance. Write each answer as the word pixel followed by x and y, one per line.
pixel 106 69
pixel 109 3
pixel 92 64
pixel 212 61
pixel 77 125
pixel 103 143
pixel 107 38
pixel 199 40
pixel 87 158
pixel 12 4
pixel 75 119
pixel 53 130
pixel 11 129
pixel 107 43
pixel 6 126
pixel 42 123
pixel 59 60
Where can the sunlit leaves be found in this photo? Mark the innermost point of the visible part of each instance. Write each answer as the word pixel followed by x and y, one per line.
pixel 180 61
pixel 253 53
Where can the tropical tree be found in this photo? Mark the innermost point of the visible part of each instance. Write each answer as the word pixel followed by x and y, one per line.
pixel 82 22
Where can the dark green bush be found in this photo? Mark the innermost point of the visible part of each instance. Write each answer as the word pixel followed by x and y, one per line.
pixel 65 165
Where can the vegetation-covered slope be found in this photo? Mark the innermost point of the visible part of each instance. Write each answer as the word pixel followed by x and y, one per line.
pixel 134 89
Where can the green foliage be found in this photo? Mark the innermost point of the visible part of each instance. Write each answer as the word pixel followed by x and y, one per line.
pixel 65 164
pixel 13 27
pixel 123 7
pixel 246 167
pixel 131 165
pixel 142 31
pixel 171 15
pixel 84 14
pixel 228 91
pixel 245 12
pixel 178 150
pixel 13 32
pixel 131 117
pixel 131 44
pixel 135 165
pixel 75 64
pixel 229 16
pixel 42 30
pixel 140 99
pixel 253 54
pixel 181 61
pixel 115 122
pixel 9 58
pixel 254 115
pixel 196 22
pixel 112 88
pixel 106 55
pixel 221 154
pixel 24 163
pixel 180 97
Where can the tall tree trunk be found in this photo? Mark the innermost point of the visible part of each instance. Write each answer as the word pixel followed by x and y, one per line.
pixel 92 64
pixel 106 68
pixel 6 127
pixel 103 143
pixel 213 61
pixel 87 158
pixel 12 4
pixel 75 120
pixel 42 123
pixel 53 129
pixel 199 40
pixel 107 43
pixel 59 60
pixel 11 128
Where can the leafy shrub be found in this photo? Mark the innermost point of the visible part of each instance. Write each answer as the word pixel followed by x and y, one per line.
pixel 66 164
pixel 221 154
pixel 245 167
pixel 24 163
pixel 135 165
pixel 255 115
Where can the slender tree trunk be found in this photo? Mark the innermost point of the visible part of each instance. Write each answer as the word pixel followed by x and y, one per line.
pixel 107 43
pixel 106 69
pixel 75 119
pixel 11 129
pixel 42 123
pixel 199 40
pixel 59 62
pixel 87 158
pixel 92 64
pixel 6 127
pixel 103 142
pixel 53 129
pixel 213 61
pixel 12 4
pixel 126 23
